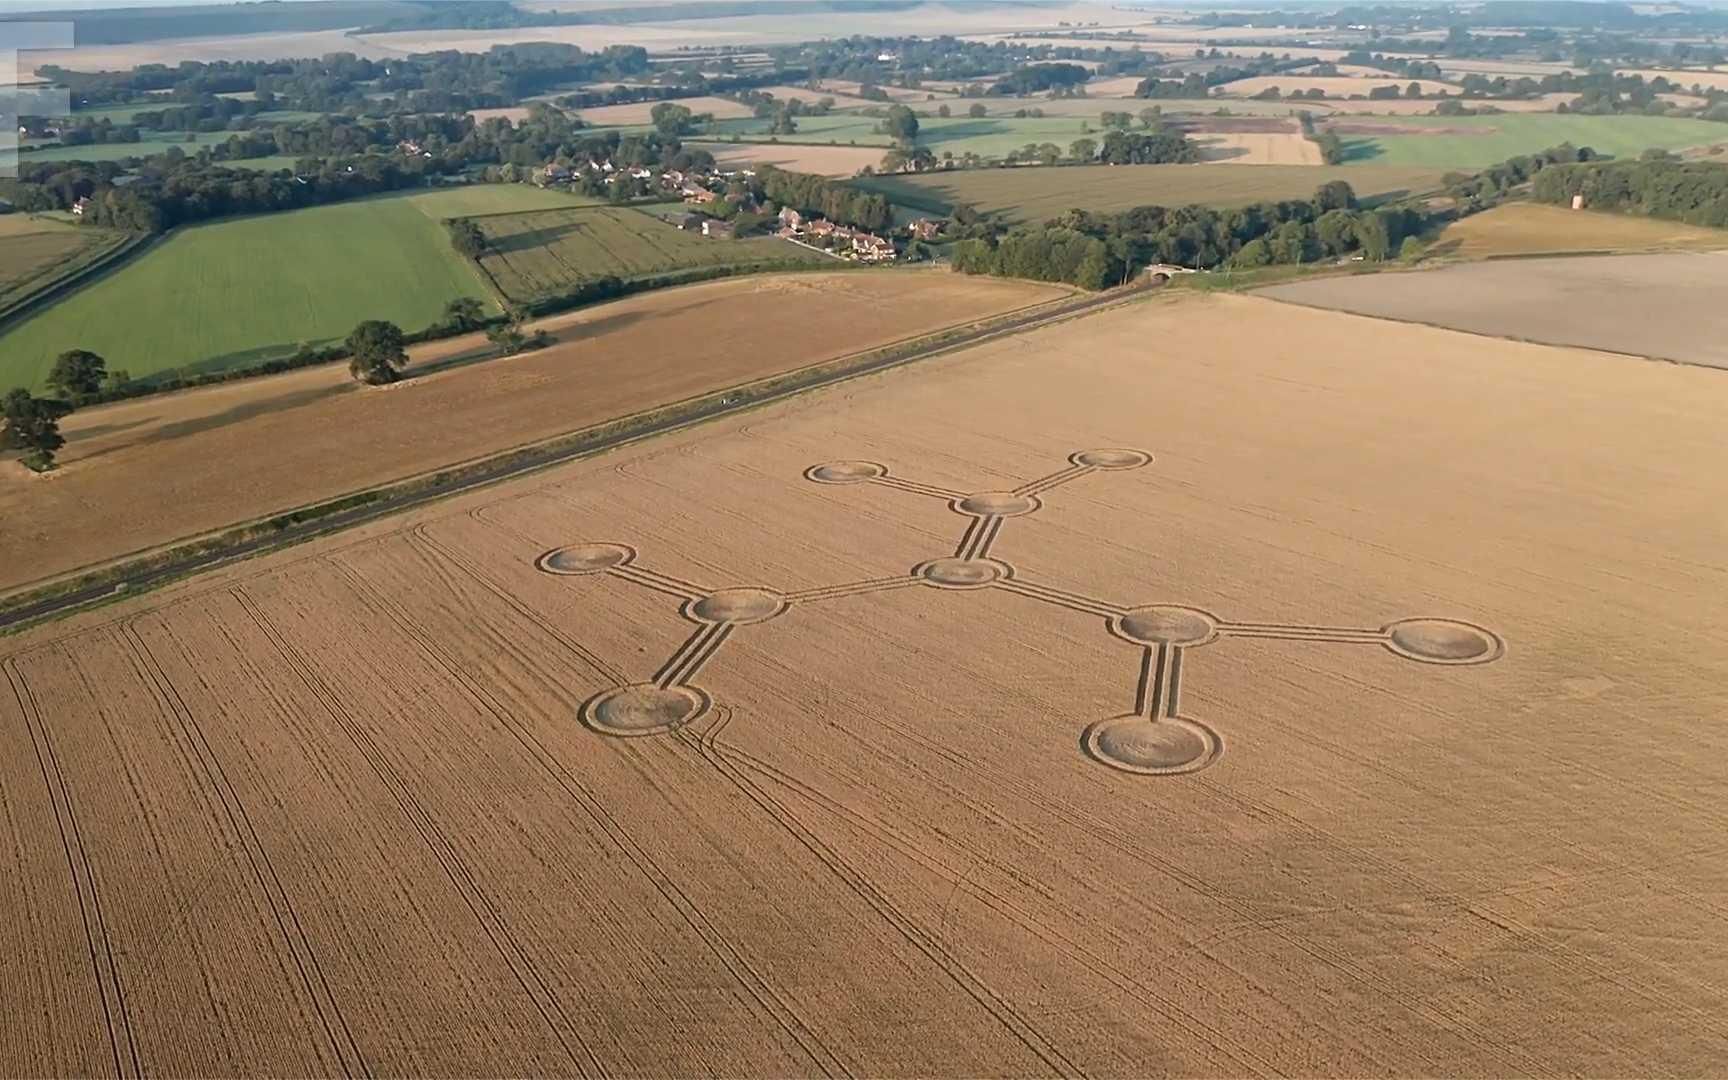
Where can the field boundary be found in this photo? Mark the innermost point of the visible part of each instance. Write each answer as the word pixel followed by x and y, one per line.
pixel 42 601
pixel 72 278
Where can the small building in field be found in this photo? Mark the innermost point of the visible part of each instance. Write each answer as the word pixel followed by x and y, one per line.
pixel 80 206
pixel 691 222
pixel 715 229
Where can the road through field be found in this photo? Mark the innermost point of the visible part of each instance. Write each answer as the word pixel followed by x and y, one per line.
pixel 773 746
pixel 139 474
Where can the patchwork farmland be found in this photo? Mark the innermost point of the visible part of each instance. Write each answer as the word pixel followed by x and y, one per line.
pixel 1062 706
pixel 543 252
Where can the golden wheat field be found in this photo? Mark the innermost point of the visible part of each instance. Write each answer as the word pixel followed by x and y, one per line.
pixel 1208 686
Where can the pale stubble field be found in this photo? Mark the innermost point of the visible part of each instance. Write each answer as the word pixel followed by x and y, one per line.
pixel 374 803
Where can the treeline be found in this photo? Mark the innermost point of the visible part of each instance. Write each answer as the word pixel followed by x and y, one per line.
pixel 1694 192
pixel 1094 250
pixel 859 59
pixel 1041 78
pixel 425 82
pixel 1488 187
pixel 1196 85
pixel 835 201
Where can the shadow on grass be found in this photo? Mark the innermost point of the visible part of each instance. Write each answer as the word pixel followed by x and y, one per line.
pixel 1358 150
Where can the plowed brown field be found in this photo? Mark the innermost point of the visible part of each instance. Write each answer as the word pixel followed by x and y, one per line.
pixel 140 474
pixel 355 807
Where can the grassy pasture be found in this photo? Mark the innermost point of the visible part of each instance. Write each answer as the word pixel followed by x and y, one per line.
pixel 230 294
pixel 1481 141
pixel 1033 194
pixel 544 251
pixel 159 143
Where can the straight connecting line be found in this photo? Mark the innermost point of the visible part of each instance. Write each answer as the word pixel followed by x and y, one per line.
pixel 1154 739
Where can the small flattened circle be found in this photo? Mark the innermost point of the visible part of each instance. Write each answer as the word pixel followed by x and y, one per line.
pixel 845 472
pixel 1166 624
pixel 1112 458
pixel 1164 747
pixel 644 709
pixel 737 606
pixel 1443 641
pixel 956 573
pixel 585 558
pixel 996 504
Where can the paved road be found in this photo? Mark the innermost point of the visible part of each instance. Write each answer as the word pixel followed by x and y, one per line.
pixel 127 585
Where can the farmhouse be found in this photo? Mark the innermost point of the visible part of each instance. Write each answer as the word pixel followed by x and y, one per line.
pixel 80 206
pixel 715 229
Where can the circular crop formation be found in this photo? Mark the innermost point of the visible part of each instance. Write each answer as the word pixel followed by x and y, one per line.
pixel 1166 624
pixel 585 558
pixel 1160 747
pixel 1443 641
pixel 1111 458
pixel 956 573
pixel 644 709
pixel 996 504
pixel 845 472
pixel 738 607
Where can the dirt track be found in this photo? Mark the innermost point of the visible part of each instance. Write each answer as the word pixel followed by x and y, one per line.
pixel 347 787
pixel 143 473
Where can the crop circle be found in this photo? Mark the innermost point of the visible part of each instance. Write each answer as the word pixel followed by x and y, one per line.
pixel 1163 747
pixel 1166 624
pixel 1111 458
pixel 846 472
pixel 1443 641
pixel 957 573
pixel 643 709
pixel 585 558
pixel 996 504
pixel 737 606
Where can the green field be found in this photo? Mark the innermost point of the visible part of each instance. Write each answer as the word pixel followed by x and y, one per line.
pixel 1484 140
pixel 229 294
pixel 1038 193
pixel 157 144
pixel 545 252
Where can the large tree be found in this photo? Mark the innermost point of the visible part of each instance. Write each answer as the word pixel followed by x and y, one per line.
pixel 464 313
pixel 32 424
pixel 377 352
pixel 467 238
pixel 672 119
pixel 77 375
pixel 901 123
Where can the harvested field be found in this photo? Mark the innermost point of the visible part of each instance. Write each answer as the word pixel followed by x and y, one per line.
pixel 639 112
pixel 1334 87
pixel 1712 80
pixel 542 253
pixel 1035 194
pixel 821 160
pixel 878 849
pixel 1524 228
pixel 140 474
pixel 1250 148
pixel 1665 306
pixel 1122 86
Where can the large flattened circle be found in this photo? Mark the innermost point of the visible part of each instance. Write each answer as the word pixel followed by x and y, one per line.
pixel 585 558
pixel 736 607
pixel 1443 641
pixel 845 472
pixel 1164 747
pixel 644 709
pixel 996 504
pixel 957 573
pixel 1114 457
pixel 1166 624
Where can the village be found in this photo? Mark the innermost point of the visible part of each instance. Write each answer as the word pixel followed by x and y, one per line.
pixel 723 206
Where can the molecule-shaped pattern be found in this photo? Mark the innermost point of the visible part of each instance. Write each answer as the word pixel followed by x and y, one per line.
pixel 1155 739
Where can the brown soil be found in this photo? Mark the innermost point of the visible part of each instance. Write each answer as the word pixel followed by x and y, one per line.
pixel 1666 306
pixel 337 810
pixel 140 474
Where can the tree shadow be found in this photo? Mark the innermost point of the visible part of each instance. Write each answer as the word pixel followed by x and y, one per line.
pixel 534 238
pixel 240 411
pixel 75 437
pixel 1362 150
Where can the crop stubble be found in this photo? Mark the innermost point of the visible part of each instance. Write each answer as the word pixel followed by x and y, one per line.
pixel 882 851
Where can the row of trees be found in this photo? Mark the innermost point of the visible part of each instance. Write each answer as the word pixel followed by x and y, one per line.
pixel 837 202
pixel 1093 250
pixel 1695 192
pixel 32 424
